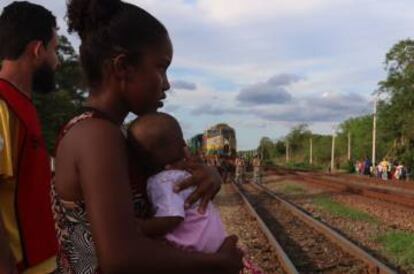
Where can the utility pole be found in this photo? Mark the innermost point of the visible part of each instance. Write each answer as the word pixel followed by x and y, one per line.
pixel 333 152
pixel 262 153
pixel 287 152
pixel 374 131
pixel 349 146
pixel 311 151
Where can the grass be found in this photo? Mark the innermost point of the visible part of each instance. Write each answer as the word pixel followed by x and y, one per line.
pixel 341 210
pixel 303 166
pixel 293 189
pixel 400 245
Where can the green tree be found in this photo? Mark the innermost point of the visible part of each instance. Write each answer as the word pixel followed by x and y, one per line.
pixel 360 129
pixel 266 148
pixel 280 148
pixel 298 140
pixel 322 145
pixel 396 111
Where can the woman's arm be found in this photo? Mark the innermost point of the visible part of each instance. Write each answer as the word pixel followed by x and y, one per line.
pixel 121 247
pixel 205 178
pixel 158 226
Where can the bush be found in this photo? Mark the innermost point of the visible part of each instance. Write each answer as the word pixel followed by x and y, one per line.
pixel 348 167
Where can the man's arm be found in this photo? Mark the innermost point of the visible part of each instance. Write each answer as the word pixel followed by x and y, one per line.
pixel 7 262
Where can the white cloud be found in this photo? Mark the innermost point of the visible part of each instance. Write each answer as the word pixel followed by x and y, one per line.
pixel 237 11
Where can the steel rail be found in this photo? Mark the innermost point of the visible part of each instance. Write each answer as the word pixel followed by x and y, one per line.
pixel 284 259
pixel 375 266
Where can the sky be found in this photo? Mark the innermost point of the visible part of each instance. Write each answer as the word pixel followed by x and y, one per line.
pixel 264 66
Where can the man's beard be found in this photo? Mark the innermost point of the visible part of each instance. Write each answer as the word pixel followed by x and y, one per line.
pixel 44 80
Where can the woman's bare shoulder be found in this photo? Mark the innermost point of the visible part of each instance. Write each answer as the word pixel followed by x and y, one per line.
pixel 90 142
pixel 92 133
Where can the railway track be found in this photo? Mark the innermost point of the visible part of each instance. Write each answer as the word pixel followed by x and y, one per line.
pixel 382 192
pixel 375 182
pixel 402 193
pixel 393 183
pixel 303 244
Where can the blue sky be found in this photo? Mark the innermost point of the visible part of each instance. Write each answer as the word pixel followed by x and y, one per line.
pixel 263 66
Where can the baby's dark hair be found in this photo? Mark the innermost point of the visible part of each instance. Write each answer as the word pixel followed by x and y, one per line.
pixel 157 136
pixel 111 27
pixel 22 23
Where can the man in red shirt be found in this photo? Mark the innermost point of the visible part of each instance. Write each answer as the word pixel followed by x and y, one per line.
pixel 28 54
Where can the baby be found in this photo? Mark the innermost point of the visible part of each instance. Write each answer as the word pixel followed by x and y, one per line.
pixel 158 139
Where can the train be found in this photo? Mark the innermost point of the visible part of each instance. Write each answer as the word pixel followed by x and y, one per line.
pixel 217 140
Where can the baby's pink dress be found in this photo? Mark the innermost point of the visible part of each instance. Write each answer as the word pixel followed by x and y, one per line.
pixel 197 232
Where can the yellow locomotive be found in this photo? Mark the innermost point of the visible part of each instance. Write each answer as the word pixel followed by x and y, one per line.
pixel 216 140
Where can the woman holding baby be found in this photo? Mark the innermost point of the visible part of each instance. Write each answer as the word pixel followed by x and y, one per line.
pixel 98 193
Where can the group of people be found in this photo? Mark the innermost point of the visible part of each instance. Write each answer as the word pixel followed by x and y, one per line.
pixel 114 199
pixel 385 170
pixel 241 166
pixel 235 168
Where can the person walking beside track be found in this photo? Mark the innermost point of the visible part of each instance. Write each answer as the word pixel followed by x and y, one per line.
pixel 240 169
pixel 257 169
pixel 367 166
pixel 385 168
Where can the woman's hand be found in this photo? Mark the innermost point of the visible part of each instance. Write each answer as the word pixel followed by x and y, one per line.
pixel 206 179
pixel 231 256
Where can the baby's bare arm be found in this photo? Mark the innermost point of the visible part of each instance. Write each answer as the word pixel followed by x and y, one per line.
pixel 159 226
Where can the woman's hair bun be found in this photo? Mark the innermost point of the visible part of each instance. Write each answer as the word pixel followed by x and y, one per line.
pixel 85 16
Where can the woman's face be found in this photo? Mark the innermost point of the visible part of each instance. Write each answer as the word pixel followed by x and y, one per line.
pixel 146 85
